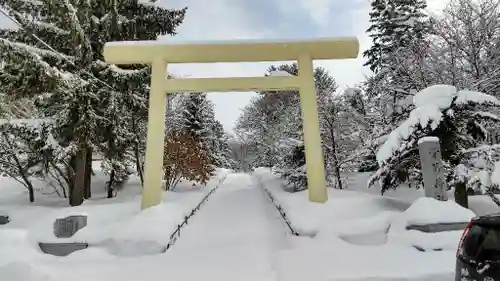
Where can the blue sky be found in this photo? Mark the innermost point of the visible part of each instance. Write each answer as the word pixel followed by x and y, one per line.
pixel 269 19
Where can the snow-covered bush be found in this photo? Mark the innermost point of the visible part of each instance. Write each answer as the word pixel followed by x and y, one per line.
pixel 293 168
pixel 28 149
pixel 457 118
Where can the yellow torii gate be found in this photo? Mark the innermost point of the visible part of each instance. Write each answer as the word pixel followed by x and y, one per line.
pixel 159 54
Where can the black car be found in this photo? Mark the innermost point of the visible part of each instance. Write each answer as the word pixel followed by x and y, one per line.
pixel 478 254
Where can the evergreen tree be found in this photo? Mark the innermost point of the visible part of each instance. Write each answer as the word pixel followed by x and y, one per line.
pixel 395 24
pixel 198 120
pixel 398 30
pixel 66 76
pixel 457 118
pixel 198 117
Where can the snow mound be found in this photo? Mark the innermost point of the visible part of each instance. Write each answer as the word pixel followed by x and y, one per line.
pixel 428 139
pixel 152 224
pixel 21 271
pixel 438 95
pixel 427 210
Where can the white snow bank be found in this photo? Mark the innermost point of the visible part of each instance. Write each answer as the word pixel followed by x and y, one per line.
pixel 125 221
pixel 117 225
pixel 355 229
pixel 346 212
pixel 21 271
pixel 427 210
pixel 339 260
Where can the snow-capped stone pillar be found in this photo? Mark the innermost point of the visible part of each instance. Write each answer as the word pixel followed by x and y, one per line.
pixel 432 168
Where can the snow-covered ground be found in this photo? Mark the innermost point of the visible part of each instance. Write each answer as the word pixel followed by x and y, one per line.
pixel 360 235
pixel 237 235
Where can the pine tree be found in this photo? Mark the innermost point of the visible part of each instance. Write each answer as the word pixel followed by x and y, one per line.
pixel 395 24
pixel 198 116
pixel 457 118
pixel 66 76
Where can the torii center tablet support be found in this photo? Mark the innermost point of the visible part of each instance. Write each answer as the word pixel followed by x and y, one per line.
pixel 159 54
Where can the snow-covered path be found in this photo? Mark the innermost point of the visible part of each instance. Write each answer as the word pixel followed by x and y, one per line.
pixel 238 227
pixel 235 236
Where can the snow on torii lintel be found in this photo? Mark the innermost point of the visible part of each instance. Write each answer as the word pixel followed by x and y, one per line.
pixel 279 73
pixel 234 41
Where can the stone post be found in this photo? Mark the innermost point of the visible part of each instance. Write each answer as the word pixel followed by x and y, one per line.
pixel 432 168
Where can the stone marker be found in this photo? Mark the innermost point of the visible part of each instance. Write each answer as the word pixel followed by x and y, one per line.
pixel 4 219
pixel 439 227
pixel 432 168
pixel 67 227
pixel 62 249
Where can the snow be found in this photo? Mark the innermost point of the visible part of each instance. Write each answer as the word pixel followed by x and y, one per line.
pixel 438 95
pixel 428 139
pixel 429 210
pixel 358 236
pixel 236 235
pixel 466 96
pixel 22 271
pixel 279 73
pixel 423 116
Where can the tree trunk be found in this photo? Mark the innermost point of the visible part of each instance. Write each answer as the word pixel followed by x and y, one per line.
pixel 137 155
pixel 461 195
pixel 138 165
pixel 31 193
pixel 109 188
pixel 78 190
pixel 335 163
pixel 88 174
pixel 71 179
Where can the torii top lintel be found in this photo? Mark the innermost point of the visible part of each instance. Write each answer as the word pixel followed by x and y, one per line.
pixel 144 52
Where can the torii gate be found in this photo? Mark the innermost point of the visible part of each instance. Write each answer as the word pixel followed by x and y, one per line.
pixel 159 54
